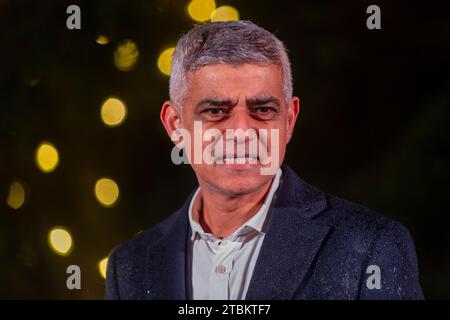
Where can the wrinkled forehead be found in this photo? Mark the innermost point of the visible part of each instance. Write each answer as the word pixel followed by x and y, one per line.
pixel 246 81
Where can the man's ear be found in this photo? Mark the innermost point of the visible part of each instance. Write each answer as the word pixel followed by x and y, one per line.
pixel 170 118
pixel 292 114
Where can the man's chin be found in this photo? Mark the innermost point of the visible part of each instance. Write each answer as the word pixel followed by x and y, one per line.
pixel 237 189
pixel 239 178
pixel 239 168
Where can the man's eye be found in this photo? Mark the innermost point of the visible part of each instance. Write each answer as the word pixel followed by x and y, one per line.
pixel 264 109
pixel 214 111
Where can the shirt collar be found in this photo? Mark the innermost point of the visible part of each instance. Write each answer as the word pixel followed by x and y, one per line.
pixel 256 222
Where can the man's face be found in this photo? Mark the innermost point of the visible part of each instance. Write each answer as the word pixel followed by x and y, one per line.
pixel 243 97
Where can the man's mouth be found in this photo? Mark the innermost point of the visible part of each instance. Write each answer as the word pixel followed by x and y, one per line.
pixel 240 160
pixel 246 159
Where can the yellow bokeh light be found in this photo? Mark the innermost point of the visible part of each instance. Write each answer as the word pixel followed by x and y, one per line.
pixel 60 241
pixel 126 55
pixel 47 157
pixel 16 196
pixel 225 13
pixel 113 112
pixel 201 10
pixel 102 39
pixel 102 267
pixel 106 192
pixel 165 61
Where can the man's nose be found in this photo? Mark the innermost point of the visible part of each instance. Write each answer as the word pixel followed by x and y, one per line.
pixel 240 119
pixel 240 123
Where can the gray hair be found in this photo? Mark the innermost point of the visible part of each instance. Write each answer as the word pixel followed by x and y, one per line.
pixel 230 42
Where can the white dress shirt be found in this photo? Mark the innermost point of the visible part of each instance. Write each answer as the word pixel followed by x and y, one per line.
pixel 222 268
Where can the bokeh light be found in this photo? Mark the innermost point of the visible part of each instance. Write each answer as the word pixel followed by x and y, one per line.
pixel 126 55
pixel 47 157
pixel 60 241
pixel 113 112
pixel 102 39
pixel 165 61
pixel 201 10
pixel 16 195
pixel 106 192
pixel 225 13
pixel 102 267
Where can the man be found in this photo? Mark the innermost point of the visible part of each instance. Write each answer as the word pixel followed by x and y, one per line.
pixel 246 233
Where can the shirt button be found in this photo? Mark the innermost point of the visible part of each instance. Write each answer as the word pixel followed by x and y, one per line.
pixel 220 269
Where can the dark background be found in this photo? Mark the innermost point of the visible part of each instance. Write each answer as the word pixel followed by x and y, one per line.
pixel 374 125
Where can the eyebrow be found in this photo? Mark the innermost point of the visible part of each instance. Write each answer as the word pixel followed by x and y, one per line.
pixel 263 100
pixel 217 102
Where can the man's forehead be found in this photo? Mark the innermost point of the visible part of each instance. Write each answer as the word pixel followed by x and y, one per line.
pixel 232 83
pixel 237 70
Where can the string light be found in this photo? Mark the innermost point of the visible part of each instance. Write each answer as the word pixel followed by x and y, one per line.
pixel 113 112
pixel 16 195
pixel 201 10
pixel 60 241
pixel 225 13
pixel 47 157
pixel 102 39
pixel 165 61
pixel 126 55
pixel 102 267
pixel 106 192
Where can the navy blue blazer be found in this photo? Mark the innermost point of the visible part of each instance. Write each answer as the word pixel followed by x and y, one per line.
pixel 317 246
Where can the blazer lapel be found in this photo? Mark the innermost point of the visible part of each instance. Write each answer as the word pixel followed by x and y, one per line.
pixel 291 242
